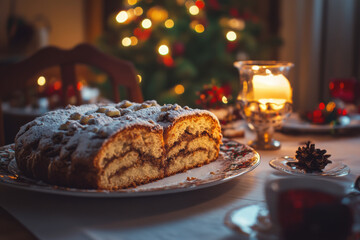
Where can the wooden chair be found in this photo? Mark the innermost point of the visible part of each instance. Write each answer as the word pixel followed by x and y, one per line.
pixel 15 77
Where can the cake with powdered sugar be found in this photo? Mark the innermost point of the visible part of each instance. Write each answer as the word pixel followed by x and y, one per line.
pixel 116 146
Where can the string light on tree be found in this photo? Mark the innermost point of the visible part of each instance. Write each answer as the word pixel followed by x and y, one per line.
pixel 199 28
pixel 139 78
pixel 179 89
pixel 122 16
pixel 169 23
pixel 126 41
pixel 41 81
pixel 236 24
pixel 157 14
pixel 194 10
pixel 138 11
pixel 134 40
pixel 163 49
pixel 231 36
pixel 146 23
pixel 132 2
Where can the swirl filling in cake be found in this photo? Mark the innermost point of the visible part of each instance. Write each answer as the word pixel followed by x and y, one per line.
pixel 116 146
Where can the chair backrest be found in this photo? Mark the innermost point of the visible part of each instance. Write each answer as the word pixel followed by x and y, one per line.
pixel 122 73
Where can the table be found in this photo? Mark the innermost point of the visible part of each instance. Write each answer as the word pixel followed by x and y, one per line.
pixel 196 214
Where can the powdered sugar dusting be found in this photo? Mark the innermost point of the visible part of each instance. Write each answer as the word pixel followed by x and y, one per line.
pixel 82 130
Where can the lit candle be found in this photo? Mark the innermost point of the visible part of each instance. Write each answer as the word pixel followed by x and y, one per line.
pixel 272 89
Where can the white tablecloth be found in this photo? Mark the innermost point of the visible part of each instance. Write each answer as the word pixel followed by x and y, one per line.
pixel 196 214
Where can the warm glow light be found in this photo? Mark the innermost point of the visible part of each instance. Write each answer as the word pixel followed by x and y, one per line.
pixel 237 24
pixel 224 99
pixel 272 87
pixel 139 78
pixel 163 50
pixel 122 17
pixel 194 10
pixel 41 81
pixel 138 11
pixel 146 23
pixel 188 4
pixel 169 23
pixel 231 36
pixel 79 85
pixel 57 85
pixel 132 2
pixel 168 61
pixel 126 42
pixel 179 89
pixel 199 28
pixel 276 104
pixel 255 68
pixel 133 40
pixel 130 13
pixel 321 106
pixel 330 106
pixel 200 4
pixel 157 14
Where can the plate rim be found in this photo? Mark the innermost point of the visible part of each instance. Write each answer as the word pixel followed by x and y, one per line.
pixel 272 231
pixel 313 128
pixel 131 192
pixel 299 173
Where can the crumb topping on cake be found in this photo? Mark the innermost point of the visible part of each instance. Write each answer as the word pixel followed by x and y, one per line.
pixel 75 135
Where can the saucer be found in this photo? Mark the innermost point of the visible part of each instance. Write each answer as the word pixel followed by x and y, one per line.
pixel 251 221
pixel 334 169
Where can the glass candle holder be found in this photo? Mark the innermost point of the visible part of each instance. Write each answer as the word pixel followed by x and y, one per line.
pixel 265 98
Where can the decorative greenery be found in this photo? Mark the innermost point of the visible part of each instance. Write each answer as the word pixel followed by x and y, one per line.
pixel 207 36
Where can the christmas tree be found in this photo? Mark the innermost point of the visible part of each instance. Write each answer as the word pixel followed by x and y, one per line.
pixel 180 46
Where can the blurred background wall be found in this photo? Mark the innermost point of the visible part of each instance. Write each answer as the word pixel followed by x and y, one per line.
pixel 320 36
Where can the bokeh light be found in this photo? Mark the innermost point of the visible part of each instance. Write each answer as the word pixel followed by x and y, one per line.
pixel 163 50
pixel 126 42
pixel 179 89
pixel 121 17
pixel 138 11
pixel 169 23
pixel 146 23
pixel 231 36
pixel 41 81
pixel 194 10
pixel 199 28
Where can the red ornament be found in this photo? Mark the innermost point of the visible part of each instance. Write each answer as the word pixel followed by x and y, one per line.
pixel 344 89
pixel 200 4
pixel 168 61
pixel 234 12
pixel 178 49
pixel 142 34
pixel 231 46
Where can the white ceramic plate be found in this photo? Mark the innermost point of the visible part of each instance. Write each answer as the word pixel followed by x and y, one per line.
pixel 334 169
pixel 296 125
pixel 234 160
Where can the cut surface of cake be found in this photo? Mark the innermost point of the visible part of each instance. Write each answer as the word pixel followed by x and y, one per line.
pixel 116 146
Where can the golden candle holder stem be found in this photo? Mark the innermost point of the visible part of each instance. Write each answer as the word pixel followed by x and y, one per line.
pixel 264 140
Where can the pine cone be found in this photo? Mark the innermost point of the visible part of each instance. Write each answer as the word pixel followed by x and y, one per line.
pixel 311 159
